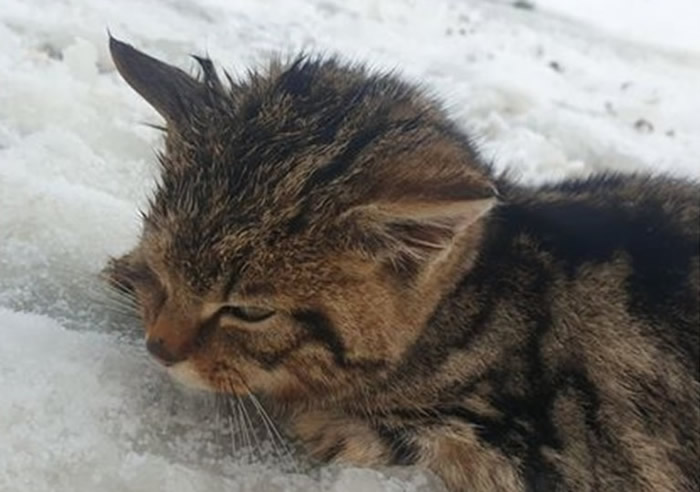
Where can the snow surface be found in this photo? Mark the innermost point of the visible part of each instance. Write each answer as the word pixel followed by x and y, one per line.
pixel 566 88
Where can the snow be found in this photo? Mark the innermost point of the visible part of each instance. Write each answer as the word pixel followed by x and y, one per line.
pixel 88 411
pixel 566 88
pixel 670 26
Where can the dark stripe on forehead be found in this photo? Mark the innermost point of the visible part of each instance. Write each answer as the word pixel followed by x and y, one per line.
pixel 342 162
pixel 234 270
pixel 335 168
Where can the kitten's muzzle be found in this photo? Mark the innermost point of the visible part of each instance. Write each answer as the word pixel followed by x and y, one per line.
pixel 174 336
pixel 165 355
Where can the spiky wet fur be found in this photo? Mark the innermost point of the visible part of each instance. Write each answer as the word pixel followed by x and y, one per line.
pixel 542 339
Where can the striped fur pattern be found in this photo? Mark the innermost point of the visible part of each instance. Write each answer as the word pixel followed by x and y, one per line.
pixel 325 238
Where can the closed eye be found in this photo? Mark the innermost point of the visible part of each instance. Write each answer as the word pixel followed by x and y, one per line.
pixel 249 314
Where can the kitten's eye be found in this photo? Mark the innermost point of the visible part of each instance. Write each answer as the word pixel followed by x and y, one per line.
pixel 250 314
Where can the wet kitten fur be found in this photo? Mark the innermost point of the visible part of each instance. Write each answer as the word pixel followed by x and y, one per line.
pixel 426 311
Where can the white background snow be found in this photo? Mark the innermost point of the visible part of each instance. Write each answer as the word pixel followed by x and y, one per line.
pixel 566 88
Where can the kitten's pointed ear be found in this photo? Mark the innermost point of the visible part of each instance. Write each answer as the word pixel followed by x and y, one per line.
pixel 413 226
pixel 171 91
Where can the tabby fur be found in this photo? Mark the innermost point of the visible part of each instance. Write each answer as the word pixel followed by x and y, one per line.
pixel 425 311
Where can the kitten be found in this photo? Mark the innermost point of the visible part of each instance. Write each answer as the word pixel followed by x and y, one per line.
pixel 327 239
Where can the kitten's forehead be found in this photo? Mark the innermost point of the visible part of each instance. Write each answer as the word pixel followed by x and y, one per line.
pixel 279 155
pixel 209 239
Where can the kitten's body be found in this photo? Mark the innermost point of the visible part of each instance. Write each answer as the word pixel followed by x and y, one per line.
pixel 419 310
pixel 565 358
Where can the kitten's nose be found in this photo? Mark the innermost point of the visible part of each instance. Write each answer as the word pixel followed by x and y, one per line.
pixel 173 334
pixel 157 347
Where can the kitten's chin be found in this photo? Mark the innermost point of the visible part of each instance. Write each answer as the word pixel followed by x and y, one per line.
pixel 185 374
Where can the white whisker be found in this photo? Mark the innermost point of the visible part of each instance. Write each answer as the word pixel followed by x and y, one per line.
pixel 249 423
pixel 274 433
pixel 232 429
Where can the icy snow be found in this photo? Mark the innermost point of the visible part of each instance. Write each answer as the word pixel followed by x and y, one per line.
pixel 566 88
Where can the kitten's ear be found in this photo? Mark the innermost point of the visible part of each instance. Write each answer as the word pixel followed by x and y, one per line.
pixel 171 91
pixel 413 226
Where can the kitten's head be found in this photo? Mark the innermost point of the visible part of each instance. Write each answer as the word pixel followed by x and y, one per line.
pixel 303 228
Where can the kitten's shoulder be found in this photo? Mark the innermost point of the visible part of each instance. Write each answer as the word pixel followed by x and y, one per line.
pixel 636 186
pixel 637 231
pixel 615 198
pixel 654 219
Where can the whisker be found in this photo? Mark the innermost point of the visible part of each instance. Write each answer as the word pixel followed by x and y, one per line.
pixel 115 294
pixel 114 301
pixel 232 428
pixel 274 433
pixel 118 307
pixel 270 426
pixel 245 434
pixel 217 416
pixel 122 313
pixel 246 417
pixel 114 288
pixel 268 430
